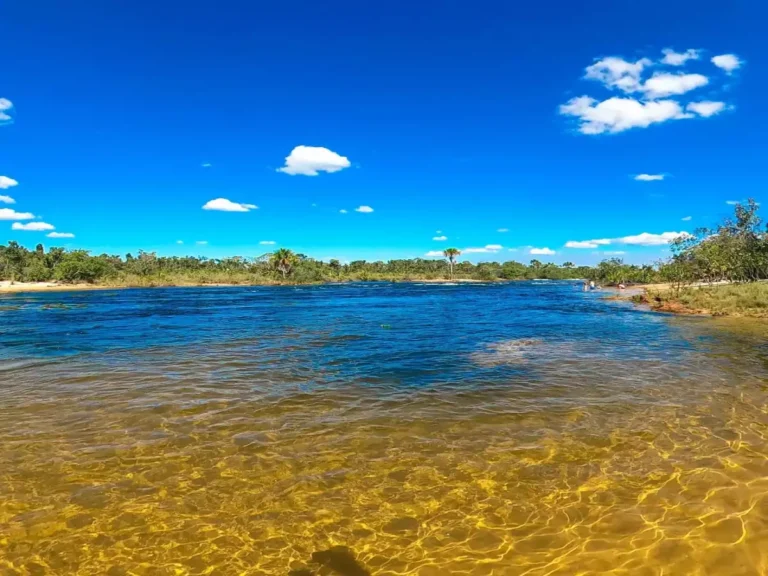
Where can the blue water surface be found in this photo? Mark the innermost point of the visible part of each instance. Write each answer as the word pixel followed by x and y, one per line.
pixel 399 333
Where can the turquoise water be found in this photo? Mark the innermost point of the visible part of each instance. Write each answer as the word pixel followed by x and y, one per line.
pixel 522 428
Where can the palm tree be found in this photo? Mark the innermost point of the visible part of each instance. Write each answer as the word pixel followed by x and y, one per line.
pixel 451 254
pixel 283 261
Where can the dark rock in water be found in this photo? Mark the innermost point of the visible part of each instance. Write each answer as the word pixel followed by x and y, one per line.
pixel 400 525
pixel 341 560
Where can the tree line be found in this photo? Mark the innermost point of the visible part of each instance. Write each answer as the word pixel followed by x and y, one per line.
pixel 147 268
pixel 735 250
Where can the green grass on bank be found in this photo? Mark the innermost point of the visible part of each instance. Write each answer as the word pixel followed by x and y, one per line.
pixel 729 300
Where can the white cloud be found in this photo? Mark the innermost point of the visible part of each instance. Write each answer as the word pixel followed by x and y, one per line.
pixel 687 218
pixel 5 105
pixel 179 241
pixel 649 177
pixel 434 253
pixel 731 202
pixel 342 211
pixel 619 114
pixel 664 84
pixel 6 182
pixel 618 73
pixel 224 205
pixel 541 252
pixel 706 108
pixel 311 160
pixel 201 242
pixel 7 200
pixel 673 58
pixel 503 230
pixel 10 214
pixel 728 62
pixel 613 252
pixel 440 238
pixel 438 231
pixel 267 242
pixel 206 164
pixel 487 249
pixel 60 235
pixel 587 243
pixel 32 226
pixel 364 209
pixel 658 97
pixel 646 239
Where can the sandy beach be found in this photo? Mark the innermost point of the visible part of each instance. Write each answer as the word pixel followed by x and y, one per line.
pixel 6 286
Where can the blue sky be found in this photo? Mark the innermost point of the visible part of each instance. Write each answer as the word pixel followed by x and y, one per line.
pixel 459 117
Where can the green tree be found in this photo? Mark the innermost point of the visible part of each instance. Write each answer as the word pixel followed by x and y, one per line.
pixel 283 260
pixel 451 254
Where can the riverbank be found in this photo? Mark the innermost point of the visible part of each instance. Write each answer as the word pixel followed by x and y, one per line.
pixel 721 299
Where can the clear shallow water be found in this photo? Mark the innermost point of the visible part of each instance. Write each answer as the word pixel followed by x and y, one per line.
pixel 524 428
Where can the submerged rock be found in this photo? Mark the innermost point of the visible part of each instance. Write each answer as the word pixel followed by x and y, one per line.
pixel 341 560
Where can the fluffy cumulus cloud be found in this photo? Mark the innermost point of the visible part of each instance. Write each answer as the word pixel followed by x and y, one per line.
pixel 619 114
pixel 10 214
pixel 60 235
pixel 644 239
pixel 311 160
pixel 487 249
pixel 649 177
pixel 587 243
pixel 728 62
pixel 224 205
pixel 440 238
pixel 32 226
pixel 706 108
pixel 267 242
pixel 541 252
pixel 661 85
pixel 364 209
pixel 645 99
pixel 672 58
pixel 6 182
pixel 618 73
pixel 5 107
pixel 7 200
pixel 434 254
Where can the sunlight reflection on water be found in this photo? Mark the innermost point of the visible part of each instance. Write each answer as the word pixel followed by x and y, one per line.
pixel 511 429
